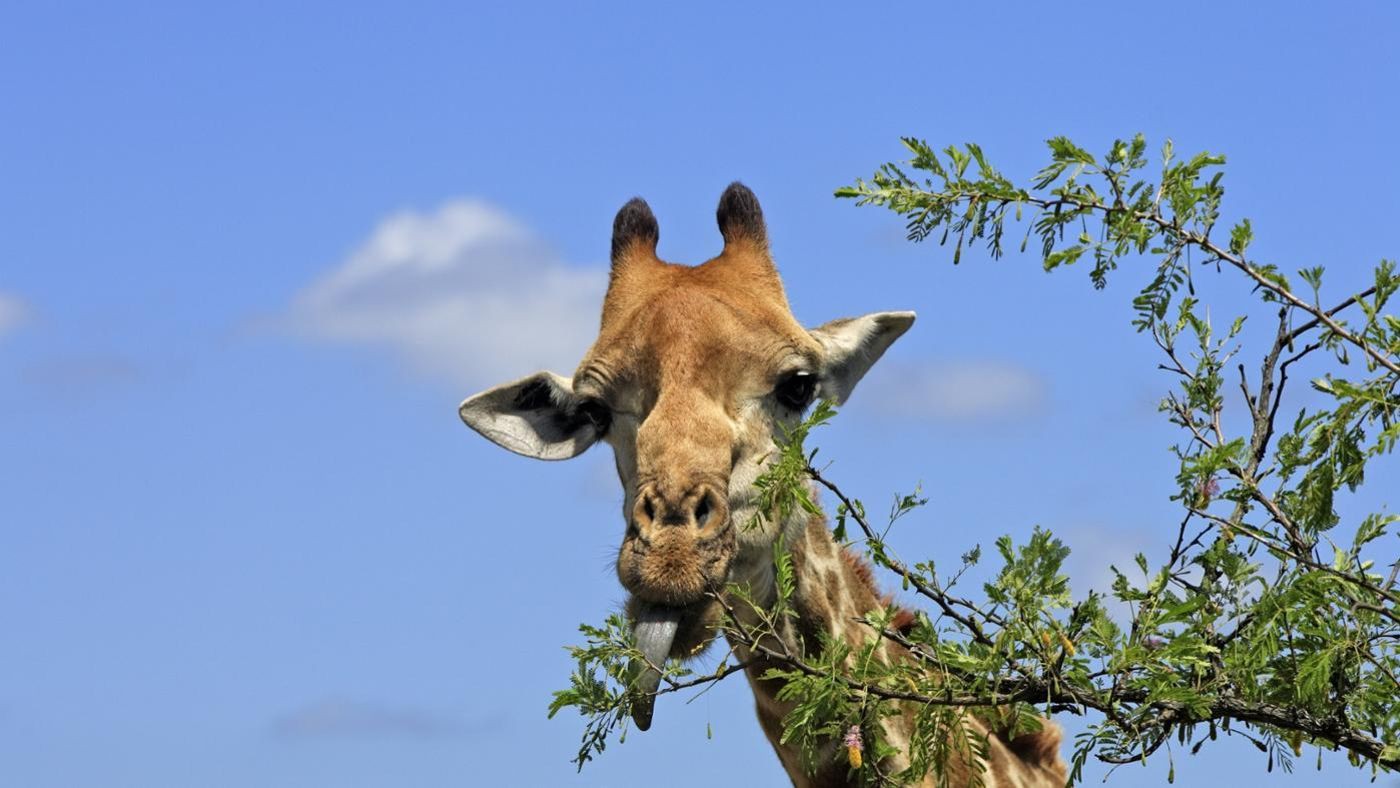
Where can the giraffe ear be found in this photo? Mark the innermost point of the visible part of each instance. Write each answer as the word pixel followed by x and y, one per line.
pixel 538 416
pixel 740 218
pixel 853 345
pixel 635 233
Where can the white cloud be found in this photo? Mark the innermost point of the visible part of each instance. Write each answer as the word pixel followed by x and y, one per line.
pixel 13 313
pixel 959 390
pixel 465 293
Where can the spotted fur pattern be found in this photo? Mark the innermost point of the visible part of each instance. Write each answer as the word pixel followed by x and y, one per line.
pixel 834 592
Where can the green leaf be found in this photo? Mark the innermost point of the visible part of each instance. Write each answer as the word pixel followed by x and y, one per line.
pixel 1241 235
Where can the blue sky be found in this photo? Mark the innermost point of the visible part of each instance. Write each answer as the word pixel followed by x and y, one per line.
pixel 255 255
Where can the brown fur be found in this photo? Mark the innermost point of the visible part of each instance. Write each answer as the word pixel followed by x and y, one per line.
pixel 1040 747
pixel 903 619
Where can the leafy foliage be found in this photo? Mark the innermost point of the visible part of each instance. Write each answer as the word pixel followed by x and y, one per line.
pixel 1271 618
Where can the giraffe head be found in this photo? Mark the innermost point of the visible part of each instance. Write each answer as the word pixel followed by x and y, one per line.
pixel 693 376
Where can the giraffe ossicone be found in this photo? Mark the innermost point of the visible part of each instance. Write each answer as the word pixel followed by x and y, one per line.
pixel 694 376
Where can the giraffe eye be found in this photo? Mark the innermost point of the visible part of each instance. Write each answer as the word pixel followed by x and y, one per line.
pixel 597 414
pixel 795 391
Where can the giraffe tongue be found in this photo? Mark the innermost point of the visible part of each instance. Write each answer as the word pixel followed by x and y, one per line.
pixel 655 630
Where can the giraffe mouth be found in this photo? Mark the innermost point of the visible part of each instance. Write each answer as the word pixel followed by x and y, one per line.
pixel 654 633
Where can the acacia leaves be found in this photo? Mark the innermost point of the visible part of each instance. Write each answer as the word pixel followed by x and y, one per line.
pixel 1273 617
pixel 1260 612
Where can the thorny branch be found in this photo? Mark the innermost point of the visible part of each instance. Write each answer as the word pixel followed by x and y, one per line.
pixel 1056 690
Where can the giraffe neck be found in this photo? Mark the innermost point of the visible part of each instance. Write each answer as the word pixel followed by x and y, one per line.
pixel 832 594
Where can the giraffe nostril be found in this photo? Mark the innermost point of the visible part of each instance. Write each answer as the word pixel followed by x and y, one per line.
pixel 702 511
pixel 648 508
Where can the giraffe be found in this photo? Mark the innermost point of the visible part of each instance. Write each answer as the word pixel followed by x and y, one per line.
pixel 695 372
